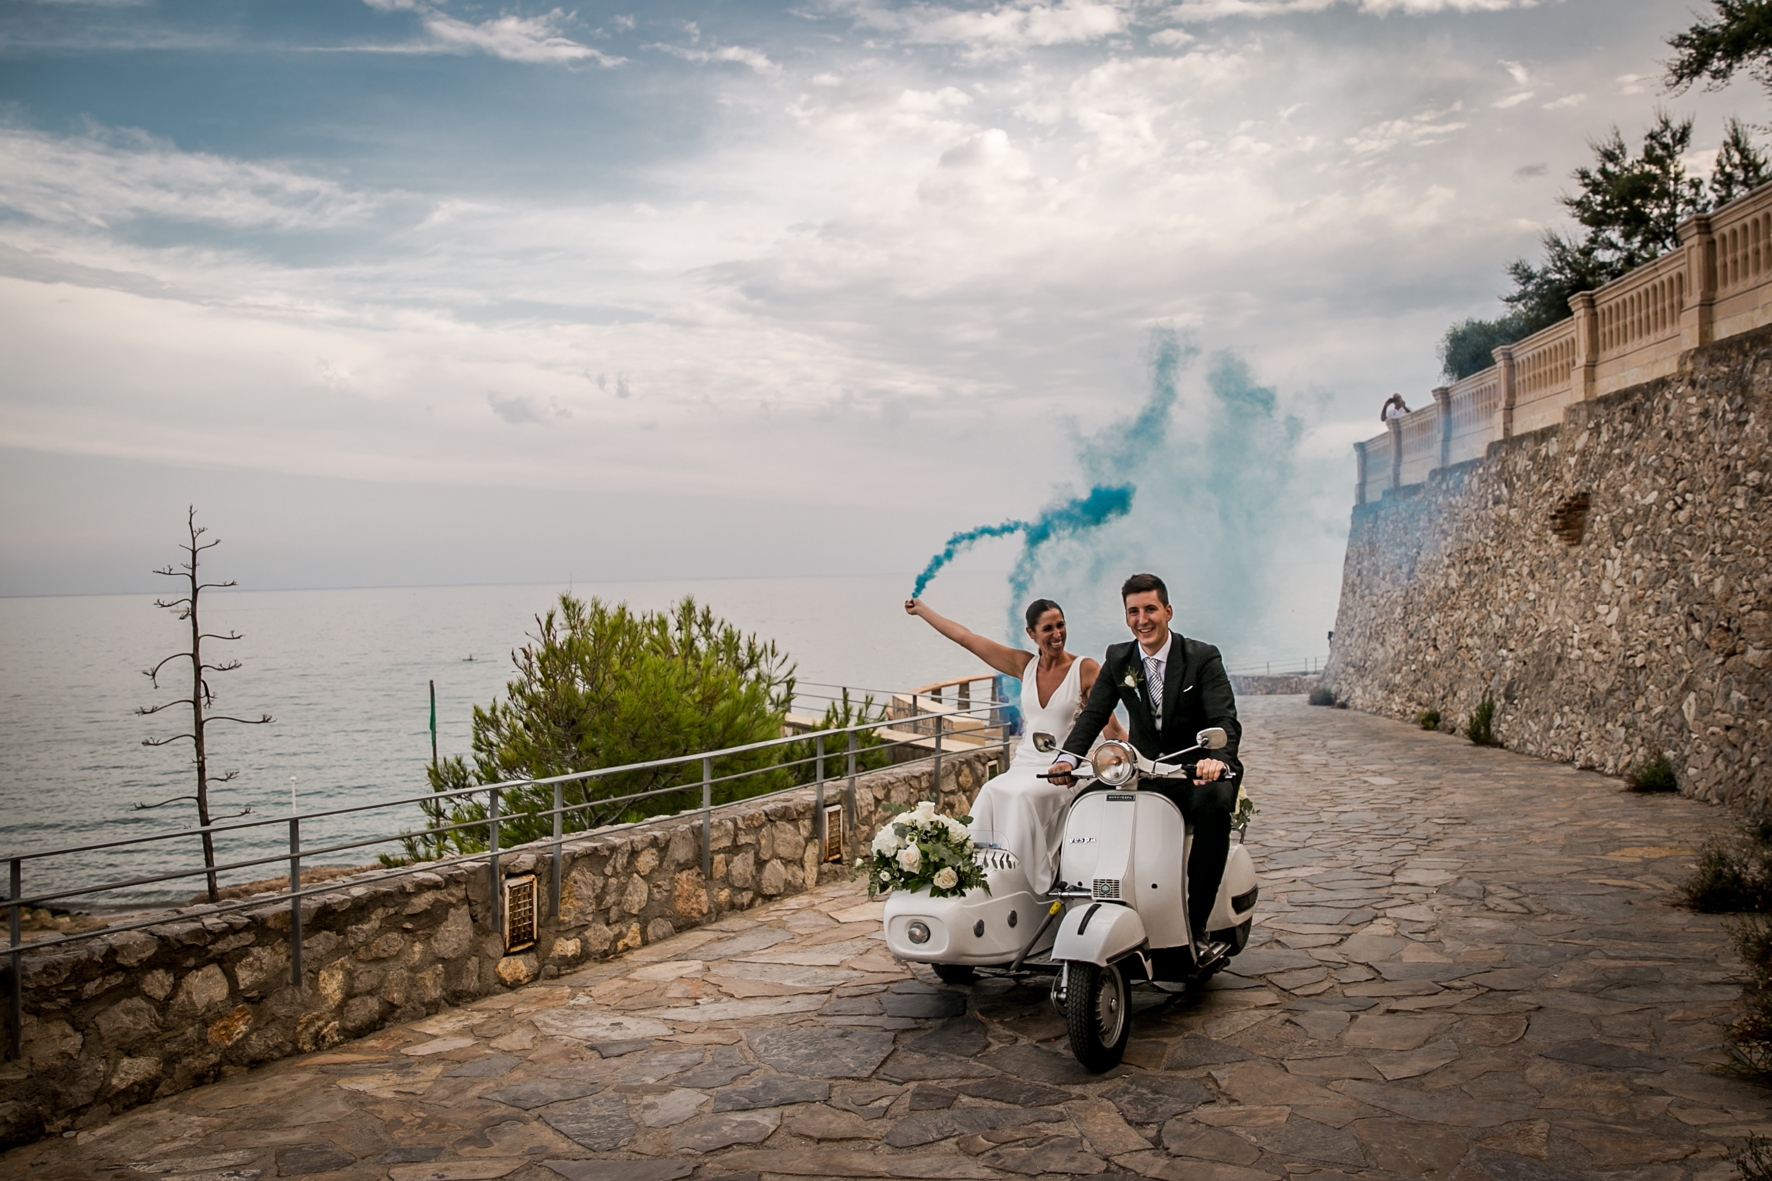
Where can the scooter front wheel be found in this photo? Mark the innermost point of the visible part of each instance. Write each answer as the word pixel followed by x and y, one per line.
pixel 1098 1011
pixel 955 973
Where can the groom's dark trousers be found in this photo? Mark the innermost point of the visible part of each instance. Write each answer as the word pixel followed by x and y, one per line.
pixel 1196 694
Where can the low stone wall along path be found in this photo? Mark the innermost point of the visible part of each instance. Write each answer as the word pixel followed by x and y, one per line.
pixel 1467 968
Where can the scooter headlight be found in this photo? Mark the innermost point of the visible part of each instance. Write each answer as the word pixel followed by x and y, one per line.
pixel 917 932
pixel 1115 763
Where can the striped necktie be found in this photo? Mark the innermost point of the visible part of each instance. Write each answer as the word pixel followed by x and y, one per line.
pixel 1153 679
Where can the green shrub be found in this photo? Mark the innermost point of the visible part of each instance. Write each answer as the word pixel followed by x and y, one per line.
pixel 1734 873
pixel 1428 719
pixel 1754 1161
pixel 1469 346
pixel 1322 695
pixel 1481 728
pixel 1654 773
pixel 1749 1039
pixel 602 686
pixel 1721 883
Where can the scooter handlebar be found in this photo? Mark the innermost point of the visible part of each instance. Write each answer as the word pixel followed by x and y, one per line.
pixel 1157 771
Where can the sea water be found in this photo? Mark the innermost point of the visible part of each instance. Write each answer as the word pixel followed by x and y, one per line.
pixel 346 675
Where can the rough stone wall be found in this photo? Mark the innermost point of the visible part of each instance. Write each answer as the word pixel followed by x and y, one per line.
pixel 125 1018
pixel 1604 630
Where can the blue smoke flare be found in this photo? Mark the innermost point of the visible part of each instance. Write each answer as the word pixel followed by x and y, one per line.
pixel 1103 504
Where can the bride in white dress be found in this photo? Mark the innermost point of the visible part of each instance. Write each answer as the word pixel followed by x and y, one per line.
pixel 1016 810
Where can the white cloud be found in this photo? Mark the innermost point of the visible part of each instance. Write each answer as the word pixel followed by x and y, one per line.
pixel 754 58
pixel 1429 127
pixel 1568 100
pixel 518 409
pixel 1002 28
pixel 1426 7
pixel 104 178
pixel 1220 9
pixel 910 265
pixel 535 39
pixel 1513 100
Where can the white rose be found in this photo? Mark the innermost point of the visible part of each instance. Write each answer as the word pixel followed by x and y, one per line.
pixel 955 829
pixel 885 875
pixel 925 811
pixel 885 842
pixel 946 878
pixel 910 858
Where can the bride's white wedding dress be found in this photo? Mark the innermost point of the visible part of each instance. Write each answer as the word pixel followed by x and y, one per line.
pixel 1018 811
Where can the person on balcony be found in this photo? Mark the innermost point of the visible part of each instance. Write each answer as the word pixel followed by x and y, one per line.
pixel 1394 407
pixel 1016 810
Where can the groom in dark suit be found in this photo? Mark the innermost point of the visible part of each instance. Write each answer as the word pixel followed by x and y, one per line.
pixel 1173 688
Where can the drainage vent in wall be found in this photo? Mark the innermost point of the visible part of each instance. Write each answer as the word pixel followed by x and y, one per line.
pixel 1569 519
pixel 519 912
pixel 833 832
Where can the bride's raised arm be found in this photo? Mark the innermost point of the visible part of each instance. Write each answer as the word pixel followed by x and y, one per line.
pixel 1086 681
pixel 1011 662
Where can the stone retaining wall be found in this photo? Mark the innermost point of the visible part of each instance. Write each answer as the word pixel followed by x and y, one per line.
pixel 1605 581
pixel 125 1018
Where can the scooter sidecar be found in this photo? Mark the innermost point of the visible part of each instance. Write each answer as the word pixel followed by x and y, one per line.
pixel 974 929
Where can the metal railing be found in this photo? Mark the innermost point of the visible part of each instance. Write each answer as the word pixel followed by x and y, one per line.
pixel 1292 666
pixel 853 739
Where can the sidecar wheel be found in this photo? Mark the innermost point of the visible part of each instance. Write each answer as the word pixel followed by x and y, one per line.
pixel 1098 1011
pixel 955 973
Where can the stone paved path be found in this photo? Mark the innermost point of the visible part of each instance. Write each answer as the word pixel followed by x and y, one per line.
pixel 1467 969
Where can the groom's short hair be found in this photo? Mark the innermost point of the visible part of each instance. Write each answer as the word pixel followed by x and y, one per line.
pixel 1139 584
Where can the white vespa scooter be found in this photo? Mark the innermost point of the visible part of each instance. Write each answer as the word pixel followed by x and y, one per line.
pixel 1122 892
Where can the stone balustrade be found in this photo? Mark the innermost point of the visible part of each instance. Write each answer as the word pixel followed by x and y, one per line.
pixel 1639 327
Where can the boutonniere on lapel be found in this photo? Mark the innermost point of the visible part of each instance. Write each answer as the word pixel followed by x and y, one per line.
pixel 1133 680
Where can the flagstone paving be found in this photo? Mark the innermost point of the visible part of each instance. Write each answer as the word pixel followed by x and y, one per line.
pixel 1467 968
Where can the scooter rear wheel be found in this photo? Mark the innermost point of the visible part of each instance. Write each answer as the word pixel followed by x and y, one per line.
pixel 1098 1012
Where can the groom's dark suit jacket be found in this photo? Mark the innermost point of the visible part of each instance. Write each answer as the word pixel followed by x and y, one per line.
pixel 1196 694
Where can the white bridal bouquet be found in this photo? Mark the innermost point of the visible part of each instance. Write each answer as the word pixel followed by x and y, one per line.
pixel 919 849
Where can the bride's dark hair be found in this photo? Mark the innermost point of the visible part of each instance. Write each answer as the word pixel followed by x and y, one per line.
pixel 1038 608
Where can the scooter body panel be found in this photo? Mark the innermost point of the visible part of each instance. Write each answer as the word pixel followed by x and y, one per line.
pixel 1128 847
pixel 1239 881
pixel 1098 933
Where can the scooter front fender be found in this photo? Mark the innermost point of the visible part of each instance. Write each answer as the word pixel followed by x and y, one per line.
pixel 1098 933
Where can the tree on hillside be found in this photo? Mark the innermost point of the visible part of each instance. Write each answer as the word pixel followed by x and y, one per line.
pixel 604 686
pixel 202 697
pixel 1629 208
pixel 1740 38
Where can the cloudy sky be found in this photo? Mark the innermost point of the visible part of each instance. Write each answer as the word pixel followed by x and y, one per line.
pixel 417 291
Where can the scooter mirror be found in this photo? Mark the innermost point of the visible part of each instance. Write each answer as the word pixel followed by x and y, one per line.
pixel 1212 738
pixel 1045 743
